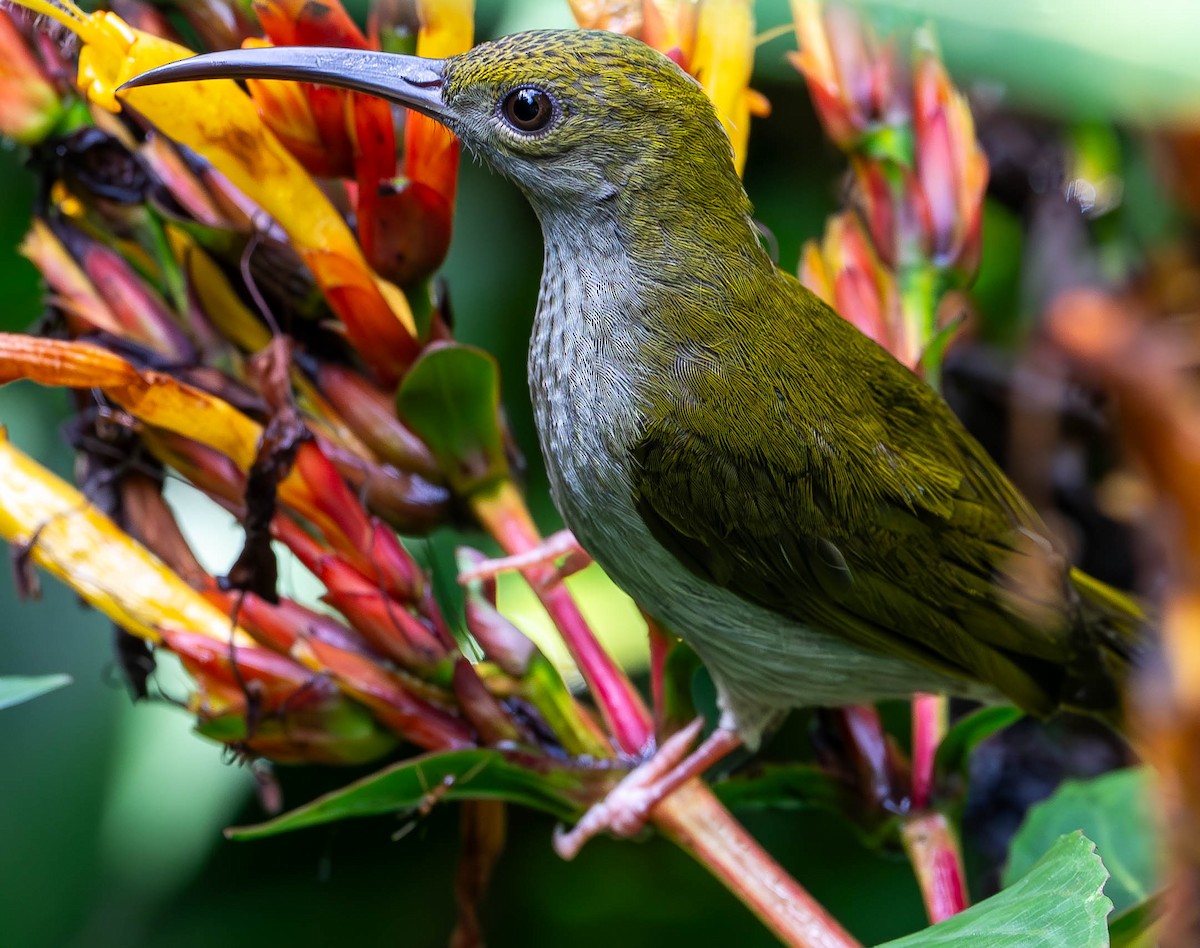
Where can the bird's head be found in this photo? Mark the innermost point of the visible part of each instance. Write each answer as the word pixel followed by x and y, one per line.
pixel 571 116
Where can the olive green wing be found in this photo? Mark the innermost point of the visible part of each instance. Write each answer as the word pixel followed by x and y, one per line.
pixel 867 512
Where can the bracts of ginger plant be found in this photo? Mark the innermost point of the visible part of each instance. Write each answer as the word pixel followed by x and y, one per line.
pixel 220 321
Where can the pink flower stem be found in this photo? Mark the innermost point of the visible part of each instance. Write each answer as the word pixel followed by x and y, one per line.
pixel 660 647
pixel 932 848
pixel 504 514
pixel 929 720
pixel 929 839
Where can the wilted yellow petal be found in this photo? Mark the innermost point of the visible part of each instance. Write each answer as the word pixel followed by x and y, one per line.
pixel 160 401
pixel 153 397
pixel 60 530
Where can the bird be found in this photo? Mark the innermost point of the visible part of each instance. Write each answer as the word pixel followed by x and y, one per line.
pixel 763 479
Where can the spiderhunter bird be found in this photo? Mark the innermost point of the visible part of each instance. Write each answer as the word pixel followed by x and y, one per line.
pixel 760 477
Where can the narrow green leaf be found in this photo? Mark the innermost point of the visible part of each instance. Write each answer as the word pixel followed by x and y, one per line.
pixel 1113 810
pixel 1135 927
pixel 17 690
pixel 451 398
pixel 1059 903
pixel 954 753
pixel 544 687
pixel 478 774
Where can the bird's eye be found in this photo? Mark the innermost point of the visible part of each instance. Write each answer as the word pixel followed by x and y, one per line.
pixel 527 109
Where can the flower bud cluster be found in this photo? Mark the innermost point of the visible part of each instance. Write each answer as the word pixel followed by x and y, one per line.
pixel 235 331
pixel 917 171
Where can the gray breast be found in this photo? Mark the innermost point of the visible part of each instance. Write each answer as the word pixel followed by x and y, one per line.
pixel 582 361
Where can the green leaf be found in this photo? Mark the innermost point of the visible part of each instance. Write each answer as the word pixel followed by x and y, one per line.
pixel 451 398
pixel 954 753
pixel 545 689
pixel 785 787
pixel 808 787
pixel 1135 927
pixel 1059 903
pixel 1113 810
pixel 679 670
pixel 478 774
pixel 17 690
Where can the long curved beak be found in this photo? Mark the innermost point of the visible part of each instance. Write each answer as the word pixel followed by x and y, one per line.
pixel 409 80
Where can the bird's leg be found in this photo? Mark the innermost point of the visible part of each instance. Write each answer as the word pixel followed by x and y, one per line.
pixel 627 808
pixel 561 545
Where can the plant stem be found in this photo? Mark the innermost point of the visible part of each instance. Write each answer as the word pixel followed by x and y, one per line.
pixel 696 821
pixel 929 716
pixel 930 841
pixel 660 647
pixel 932 847
pixel 504 514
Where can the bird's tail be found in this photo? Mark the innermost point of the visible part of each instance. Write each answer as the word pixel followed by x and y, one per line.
pixel 1113 625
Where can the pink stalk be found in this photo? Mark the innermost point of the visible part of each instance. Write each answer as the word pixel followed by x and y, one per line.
pixel 660 648
pixel 506 517
pixel 932 847
pixel 929 840
pixel 929 715
pixel 615 695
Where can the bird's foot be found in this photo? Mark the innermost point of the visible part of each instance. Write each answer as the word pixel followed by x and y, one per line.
pixel 627 808
pixel 561 545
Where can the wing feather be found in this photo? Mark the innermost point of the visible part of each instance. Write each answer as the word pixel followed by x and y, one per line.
pixel 865 509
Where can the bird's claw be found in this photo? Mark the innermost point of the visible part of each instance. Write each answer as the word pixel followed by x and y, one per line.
pixel 627 808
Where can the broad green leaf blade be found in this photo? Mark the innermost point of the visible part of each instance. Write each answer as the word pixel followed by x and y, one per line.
pixel 451 398
pixel 451 775
pixel 954 753
pixel 1059 903
pixel 17 690
pixel 1113 810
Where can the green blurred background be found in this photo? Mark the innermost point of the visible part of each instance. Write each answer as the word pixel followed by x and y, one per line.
pixel 110 815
